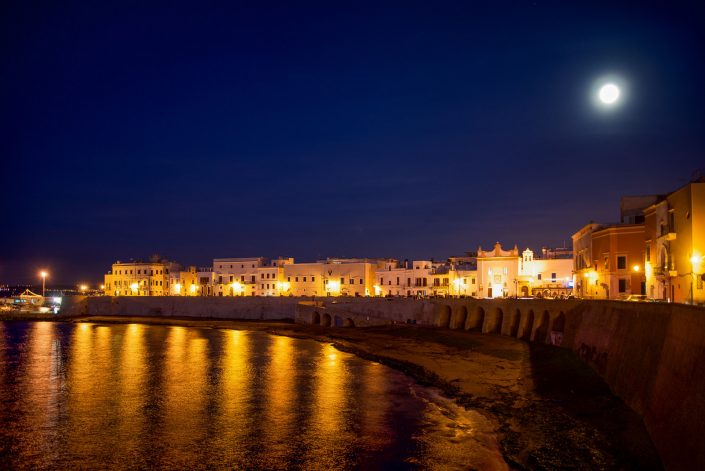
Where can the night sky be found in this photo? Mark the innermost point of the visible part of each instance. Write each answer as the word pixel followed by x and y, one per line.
pixel 389 129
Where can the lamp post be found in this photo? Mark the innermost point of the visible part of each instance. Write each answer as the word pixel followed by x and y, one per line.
pixel 44 275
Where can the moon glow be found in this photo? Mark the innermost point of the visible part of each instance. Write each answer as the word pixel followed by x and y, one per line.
pixel 609 93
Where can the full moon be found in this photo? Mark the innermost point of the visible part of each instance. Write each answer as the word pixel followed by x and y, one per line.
pixel 609 93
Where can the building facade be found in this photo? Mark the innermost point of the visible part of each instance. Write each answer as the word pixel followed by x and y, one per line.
pixel 138 278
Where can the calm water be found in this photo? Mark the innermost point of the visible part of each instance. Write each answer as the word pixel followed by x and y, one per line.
pixel 136 396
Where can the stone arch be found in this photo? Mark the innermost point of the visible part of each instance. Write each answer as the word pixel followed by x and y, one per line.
pixel 337 321
pixel 527 325
pixel 460 318
pixel 316 318
pixel 476 319
pixel 326 320
pixel 524 291
pixel 444 316
pixel 559 323
pixel 348 323
pixel 541 333
pixel 557 329
pixel 514 325
pixel 494 323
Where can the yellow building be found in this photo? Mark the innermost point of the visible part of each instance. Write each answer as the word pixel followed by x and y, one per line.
pixel 674 254
pixel 332 277
pixel 139 278
pixel 195 281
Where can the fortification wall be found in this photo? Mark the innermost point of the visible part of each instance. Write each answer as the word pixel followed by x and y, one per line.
pixel 248 308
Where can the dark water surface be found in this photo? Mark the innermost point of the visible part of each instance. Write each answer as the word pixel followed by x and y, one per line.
pixel 138 396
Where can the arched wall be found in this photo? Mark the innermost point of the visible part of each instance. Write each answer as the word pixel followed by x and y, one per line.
pixel 476 319
pixel 326 320
pixel 514 324
pixel 444 315
pixel 460 317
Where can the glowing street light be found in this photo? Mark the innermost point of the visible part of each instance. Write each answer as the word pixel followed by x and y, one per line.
pixel 83 288
pixel 44 275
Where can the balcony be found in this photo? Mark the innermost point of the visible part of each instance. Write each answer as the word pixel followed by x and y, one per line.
pixel 667 233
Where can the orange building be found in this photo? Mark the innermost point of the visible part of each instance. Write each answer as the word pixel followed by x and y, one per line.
pixel 608 261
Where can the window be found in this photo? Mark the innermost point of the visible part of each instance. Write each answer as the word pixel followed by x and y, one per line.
pixel 538 277
pixel 607 263
pixel 313 278
pixel 553 277
pixel 473 281
pixel 622 286
pixel 296 279
pixel 621 262
pixel 342 280
pixel 288 278
pixel 648 253
pixel 352 282
pixel 397 281
pixel 362 281
pixel 408 282
pixel 262 276
pixel 381 280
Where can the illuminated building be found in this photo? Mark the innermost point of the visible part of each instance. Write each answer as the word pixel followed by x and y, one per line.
pixel 236 276
pixel 506 273
pixel 330 277
pixel 139 278
pixel 674 263
pixel 195 281
pixel 608 261
pixel 657 250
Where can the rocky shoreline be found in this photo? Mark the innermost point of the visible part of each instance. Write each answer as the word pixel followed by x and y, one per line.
pixel 551 410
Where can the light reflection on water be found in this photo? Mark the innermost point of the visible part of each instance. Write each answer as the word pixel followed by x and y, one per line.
pixel 136 396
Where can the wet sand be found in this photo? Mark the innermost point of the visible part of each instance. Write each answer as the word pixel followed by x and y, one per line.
pixel 550 410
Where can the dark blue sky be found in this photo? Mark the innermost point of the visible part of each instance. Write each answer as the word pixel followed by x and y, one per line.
pixel 410 130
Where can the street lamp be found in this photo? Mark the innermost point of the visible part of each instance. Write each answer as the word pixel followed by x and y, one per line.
pixel 44 275
pixel 83 289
